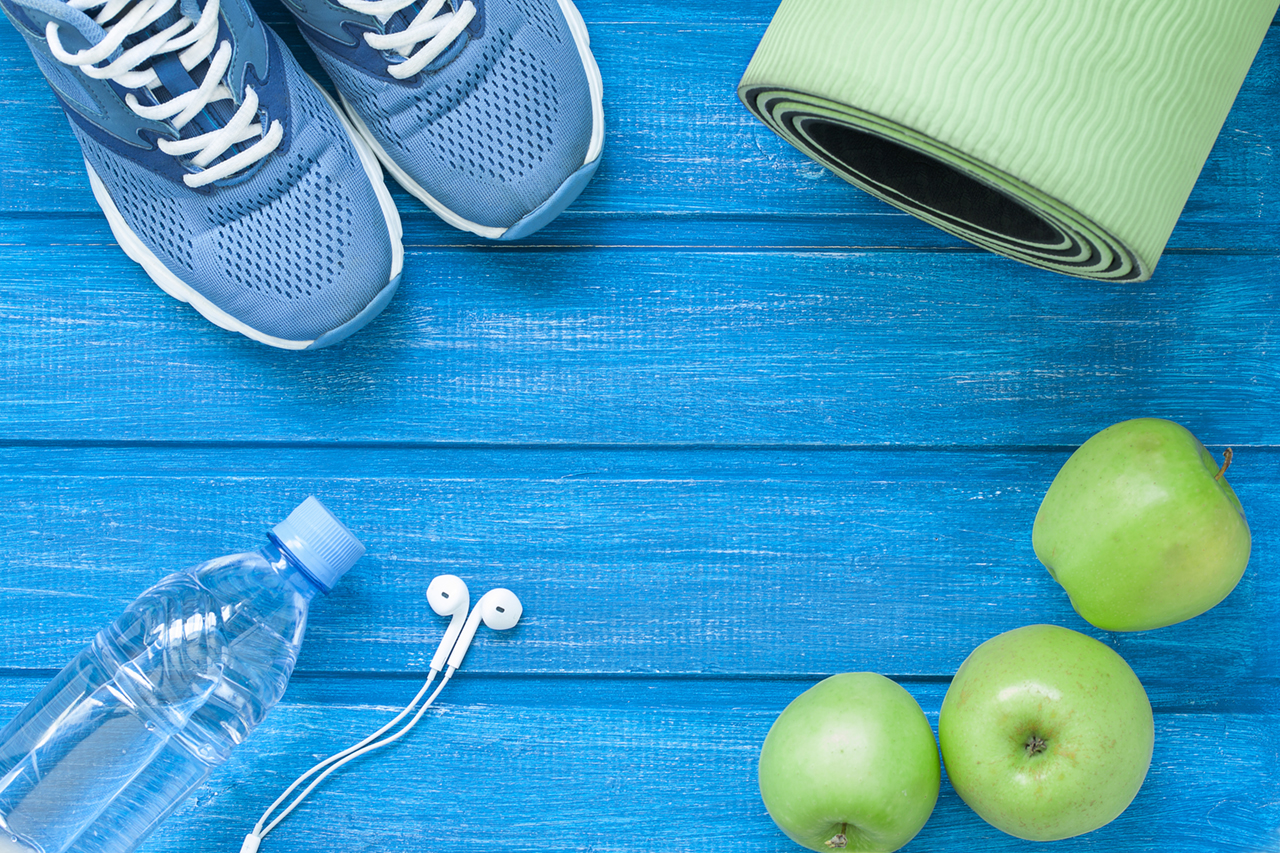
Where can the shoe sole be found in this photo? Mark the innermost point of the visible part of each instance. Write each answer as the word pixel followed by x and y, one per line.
pixel 564 194
pixel 183 292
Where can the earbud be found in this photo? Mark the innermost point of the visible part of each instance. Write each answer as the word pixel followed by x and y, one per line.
pixel 448 596
pixel 498 608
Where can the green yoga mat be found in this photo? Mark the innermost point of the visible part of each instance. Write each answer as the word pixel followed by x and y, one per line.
pixel 1067 134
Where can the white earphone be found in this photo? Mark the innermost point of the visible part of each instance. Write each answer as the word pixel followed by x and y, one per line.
pixel 448 595
pixel 498 608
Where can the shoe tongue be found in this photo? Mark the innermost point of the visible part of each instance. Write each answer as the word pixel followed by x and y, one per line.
pixel 402 19
pixel 173 76
pixel 177 80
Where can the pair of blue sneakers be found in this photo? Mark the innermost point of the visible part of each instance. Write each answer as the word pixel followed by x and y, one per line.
pixel 242 188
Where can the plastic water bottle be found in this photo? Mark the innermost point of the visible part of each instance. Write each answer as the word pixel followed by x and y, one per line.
pixel 163 694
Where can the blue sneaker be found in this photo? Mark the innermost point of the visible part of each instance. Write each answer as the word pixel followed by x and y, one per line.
pixel 223 169
pixel 488 111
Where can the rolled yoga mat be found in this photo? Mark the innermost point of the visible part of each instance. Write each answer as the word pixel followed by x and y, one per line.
pixel 1067 134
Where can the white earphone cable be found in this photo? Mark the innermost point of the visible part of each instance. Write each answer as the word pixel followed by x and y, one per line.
pixel 333 762
pixel 499 609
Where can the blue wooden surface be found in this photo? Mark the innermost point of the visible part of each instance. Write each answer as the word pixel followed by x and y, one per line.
pixel 727 426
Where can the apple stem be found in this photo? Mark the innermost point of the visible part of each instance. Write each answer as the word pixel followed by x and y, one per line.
pixel 839 841
pixel 1226 463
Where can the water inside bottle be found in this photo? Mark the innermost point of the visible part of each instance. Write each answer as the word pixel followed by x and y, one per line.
pixel 140 717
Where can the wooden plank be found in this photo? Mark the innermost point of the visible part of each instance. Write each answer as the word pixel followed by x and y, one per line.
pixel 637 765
pixel 695 561
pixel 887 231
pixel 725 347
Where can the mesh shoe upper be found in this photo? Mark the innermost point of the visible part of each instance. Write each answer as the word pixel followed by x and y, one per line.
pixel 493 126
pixel 295 244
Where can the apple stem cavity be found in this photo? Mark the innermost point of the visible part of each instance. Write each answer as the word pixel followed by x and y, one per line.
pixel 839 841
pixel 1226 463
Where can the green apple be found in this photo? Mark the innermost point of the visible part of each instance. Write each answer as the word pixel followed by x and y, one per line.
pixel 1141 528
pixel 851 764
pixel 1046 733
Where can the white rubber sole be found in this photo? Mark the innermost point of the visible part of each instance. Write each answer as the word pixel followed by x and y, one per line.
pixel 183 292
pixel 595 82
pixel 558 201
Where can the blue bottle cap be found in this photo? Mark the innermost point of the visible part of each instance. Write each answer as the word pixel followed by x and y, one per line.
pixel 320 543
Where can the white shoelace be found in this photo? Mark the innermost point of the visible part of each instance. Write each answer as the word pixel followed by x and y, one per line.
pixel 196 41
pixel 430 32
